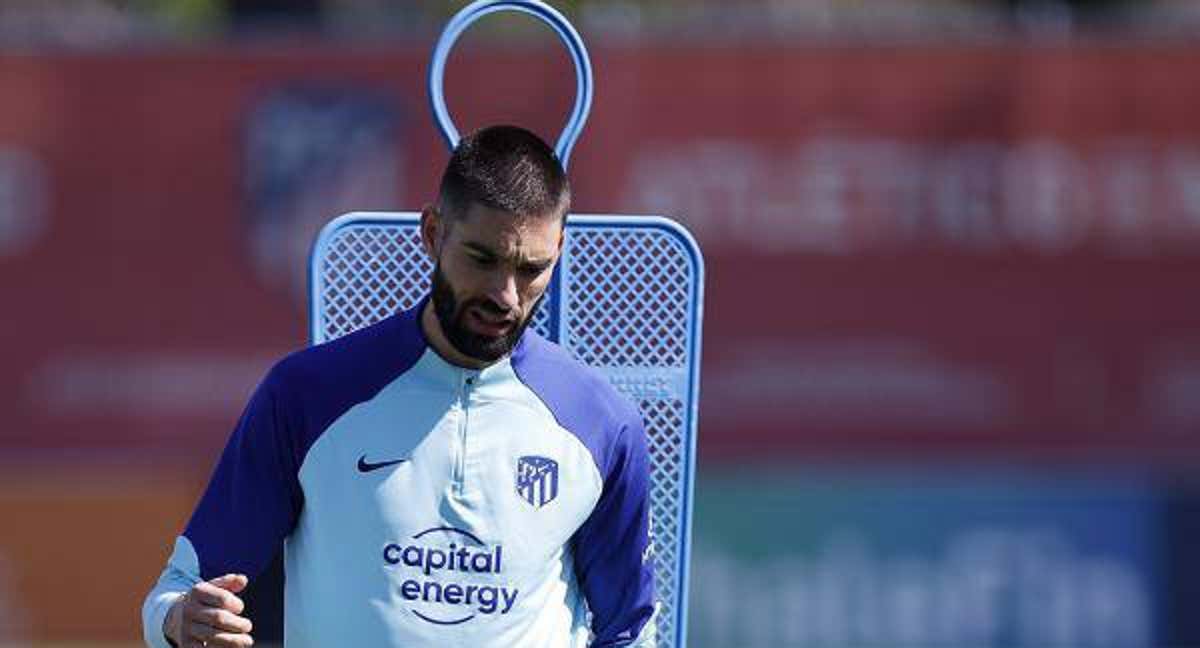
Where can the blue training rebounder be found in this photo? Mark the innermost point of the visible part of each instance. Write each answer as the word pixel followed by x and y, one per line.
pixel 627 298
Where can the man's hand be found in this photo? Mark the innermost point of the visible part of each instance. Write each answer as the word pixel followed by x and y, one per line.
pixel 208 615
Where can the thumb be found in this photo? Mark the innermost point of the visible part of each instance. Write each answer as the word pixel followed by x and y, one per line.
pixel 232 582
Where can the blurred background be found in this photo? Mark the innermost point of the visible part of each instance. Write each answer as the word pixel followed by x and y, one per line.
pixel 951 388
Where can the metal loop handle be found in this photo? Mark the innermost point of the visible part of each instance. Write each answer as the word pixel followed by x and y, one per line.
pixel 476 10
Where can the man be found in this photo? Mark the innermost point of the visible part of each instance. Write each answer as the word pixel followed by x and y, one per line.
pixel 444 477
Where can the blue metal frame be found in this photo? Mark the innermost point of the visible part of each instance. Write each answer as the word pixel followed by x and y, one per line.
pixel 540 10
pixel 588 221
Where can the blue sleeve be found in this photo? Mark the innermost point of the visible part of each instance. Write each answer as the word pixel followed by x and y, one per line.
pixel 254 497
pixel 613 560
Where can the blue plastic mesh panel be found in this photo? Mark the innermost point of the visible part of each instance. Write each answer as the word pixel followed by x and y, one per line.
pixel 625 308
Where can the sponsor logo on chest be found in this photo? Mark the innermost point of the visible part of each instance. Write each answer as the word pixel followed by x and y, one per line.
pixel 449 576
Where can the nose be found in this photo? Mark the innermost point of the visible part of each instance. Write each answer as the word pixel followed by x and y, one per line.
pixel 504 291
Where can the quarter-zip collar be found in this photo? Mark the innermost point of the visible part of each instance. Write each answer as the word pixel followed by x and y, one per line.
pixel 436 369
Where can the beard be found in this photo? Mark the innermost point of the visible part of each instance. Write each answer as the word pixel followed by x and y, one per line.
pixel 452 315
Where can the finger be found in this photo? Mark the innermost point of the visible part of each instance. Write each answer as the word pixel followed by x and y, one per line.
pixel 228 640
pixel 212 596
pixel 232 582
pixel 206 595
pixel 210 637
pixel 194 636
pixel 222 620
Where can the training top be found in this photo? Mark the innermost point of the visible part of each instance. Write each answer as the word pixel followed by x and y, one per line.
pixel 424 504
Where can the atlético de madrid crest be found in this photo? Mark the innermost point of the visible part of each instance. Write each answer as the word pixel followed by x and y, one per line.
pixel 537 480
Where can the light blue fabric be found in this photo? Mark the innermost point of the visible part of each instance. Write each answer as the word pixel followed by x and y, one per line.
pixel 424 504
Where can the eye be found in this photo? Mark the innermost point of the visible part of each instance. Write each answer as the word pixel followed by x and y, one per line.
pixel 532 271
pixel 482 261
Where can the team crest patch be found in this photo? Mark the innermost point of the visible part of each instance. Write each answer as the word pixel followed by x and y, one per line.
pixel 537 480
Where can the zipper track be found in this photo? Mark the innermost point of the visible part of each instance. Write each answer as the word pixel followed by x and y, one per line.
pixel 460 468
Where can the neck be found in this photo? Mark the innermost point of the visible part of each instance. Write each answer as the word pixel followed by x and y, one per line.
pixel 437 339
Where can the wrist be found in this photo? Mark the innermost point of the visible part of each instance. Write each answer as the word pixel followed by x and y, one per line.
pixel 171 622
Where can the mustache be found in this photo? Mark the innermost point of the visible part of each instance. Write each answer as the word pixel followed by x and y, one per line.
pixel 491 307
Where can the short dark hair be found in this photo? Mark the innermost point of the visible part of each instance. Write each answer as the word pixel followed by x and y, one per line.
pixel 506 168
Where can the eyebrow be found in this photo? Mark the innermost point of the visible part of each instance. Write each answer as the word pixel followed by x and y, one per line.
pixel 485 251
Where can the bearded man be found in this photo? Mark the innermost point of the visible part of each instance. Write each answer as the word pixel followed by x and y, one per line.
pixel 445 477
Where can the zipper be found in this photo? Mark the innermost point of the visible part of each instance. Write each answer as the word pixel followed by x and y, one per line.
pixel 465 382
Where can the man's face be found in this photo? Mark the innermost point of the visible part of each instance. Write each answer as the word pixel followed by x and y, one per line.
pixel 491 269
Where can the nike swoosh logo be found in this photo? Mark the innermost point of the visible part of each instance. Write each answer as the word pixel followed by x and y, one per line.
pixel 365 466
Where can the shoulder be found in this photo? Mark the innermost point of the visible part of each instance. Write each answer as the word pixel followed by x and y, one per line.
pixel 371 355
pixel 313 387
pixel 580 398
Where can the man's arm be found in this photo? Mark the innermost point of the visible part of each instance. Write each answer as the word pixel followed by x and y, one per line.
pixel 250 505
pixel 614 559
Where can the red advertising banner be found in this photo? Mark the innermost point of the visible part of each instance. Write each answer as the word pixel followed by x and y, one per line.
pixel 913 251
pixel 915 248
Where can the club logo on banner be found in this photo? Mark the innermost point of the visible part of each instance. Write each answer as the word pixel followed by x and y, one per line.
pixel 313 151
pixel 537 480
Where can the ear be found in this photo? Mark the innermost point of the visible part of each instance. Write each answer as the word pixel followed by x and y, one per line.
pixel 432 231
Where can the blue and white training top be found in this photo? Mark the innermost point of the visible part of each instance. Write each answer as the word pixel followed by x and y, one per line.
pixel 424 504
